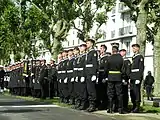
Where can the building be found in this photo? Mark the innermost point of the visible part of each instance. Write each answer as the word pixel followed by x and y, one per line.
pixel 119 28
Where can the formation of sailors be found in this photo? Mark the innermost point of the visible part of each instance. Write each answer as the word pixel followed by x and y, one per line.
pixel 85 77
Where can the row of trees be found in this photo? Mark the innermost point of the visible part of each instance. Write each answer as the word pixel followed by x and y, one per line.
pixel 21 21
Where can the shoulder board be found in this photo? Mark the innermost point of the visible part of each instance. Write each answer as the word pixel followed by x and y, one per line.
pixel 126 59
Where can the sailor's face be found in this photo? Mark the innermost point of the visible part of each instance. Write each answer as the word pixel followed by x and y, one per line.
pixel 89 44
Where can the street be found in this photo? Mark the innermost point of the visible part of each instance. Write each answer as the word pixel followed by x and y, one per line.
pixel 12 108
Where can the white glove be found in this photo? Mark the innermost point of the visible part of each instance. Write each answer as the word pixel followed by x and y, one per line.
pixel 65 80
pixel 137 82
pixel 129 80
pixel 18 80
pixel 72 80
pixel 26 75
pixel 93 78
pixel 124 82
pixel 82 79
pixel 76 79
pixel 97 80
pixel 33 80
pixel 37 81
pixel 60 81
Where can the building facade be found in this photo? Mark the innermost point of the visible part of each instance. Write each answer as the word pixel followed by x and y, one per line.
pixel 119 28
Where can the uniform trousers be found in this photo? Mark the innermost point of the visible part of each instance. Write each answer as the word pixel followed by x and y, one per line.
pixel 71 89
pixel 115 87
pixel 91 89
pixel 77 89
pixel 83 91
pixel 44 88
pixel 125 96
pixel 135 92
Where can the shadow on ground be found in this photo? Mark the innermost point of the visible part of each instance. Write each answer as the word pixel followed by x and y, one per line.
pixel 19 103
pixel 19 111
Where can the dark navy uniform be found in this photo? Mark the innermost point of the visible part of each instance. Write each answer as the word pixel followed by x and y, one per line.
pixel 43 80
pixel 70 80
pixel 65 81
pixel 113 73
pixel 91 70
pixel 137 69
pixel 59 79
pixel 101 87
pixel 125 77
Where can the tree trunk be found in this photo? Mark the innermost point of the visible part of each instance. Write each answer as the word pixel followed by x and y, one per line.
pixel 141 37
pixel 157 63
pixel 56 48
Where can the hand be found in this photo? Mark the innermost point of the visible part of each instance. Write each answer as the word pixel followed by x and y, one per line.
pixel 82 79
pixel 37 81
pixel 93 78
pixel 65 80
pixel 137 82
pixel 60 80
pixel 72 80
pixel 76 79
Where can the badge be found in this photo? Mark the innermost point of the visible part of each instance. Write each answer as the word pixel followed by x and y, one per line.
pixel 141 59
pixel 95 54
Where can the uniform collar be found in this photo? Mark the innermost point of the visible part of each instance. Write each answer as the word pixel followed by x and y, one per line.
pixel 135 55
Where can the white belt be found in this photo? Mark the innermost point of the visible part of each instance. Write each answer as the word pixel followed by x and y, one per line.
pixel 135 70
pixel 59 71
pixel 101 70
pixel 69 71
pixel 89 65
pixel 63 71
pixel 80 69
pixel 75 68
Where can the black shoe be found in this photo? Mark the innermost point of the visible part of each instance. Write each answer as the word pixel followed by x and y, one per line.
pixel 110 111
pixel 91 109
pixel 122 111
pixel 136 110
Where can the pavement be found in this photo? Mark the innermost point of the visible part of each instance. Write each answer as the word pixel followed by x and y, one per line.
pixel 13 108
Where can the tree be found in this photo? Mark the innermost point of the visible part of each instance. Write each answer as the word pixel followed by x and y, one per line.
pixel 89 13
pixel 155 31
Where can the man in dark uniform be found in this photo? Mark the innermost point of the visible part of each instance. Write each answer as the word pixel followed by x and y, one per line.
pixel 113 72
pixel 125 77
pixel 136 77
pixel 37 89
pixel 91 70
pixel 148 84
pixel 101 87
pixel 52 78
pixel 76 77
pixel 43 80
pixel 64 76
pixel 59 76
pixel 70 77
pixel 2 73
pixel 82 77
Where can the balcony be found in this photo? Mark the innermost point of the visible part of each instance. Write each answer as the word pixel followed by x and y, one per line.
pixel 123 8
pixel 125 30
pixel 113 34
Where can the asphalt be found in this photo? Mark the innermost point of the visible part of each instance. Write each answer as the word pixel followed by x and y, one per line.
pixel 12 108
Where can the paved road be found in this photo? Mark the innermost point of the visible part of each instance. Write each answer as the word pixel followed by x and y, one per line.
pixel 12 108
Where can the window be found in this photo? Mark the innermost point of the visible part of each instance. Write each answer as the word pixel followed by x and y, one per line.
pixel 68 43
pixel 128 48
pixel 127 45
pixel 78 41
pixel 104 35
pixel 73 42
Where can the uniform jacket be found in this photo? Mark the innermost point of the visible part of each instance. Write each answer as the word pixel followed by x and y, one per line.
pixel 137 67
